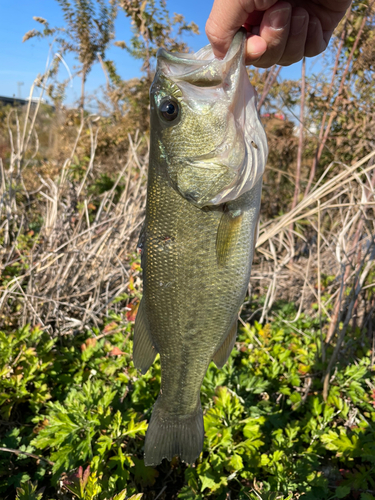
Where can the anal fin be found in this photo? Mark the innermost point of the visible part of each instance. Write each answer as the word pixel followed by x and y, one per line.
pixel 144 352
pixel 227 235
pixel 222 354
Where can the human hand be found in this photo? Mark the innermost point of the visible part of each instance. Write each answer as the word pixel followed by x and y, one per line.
pixel 280 32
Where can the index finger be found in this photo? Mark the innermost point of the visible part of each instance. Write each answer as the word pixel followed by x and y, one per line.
pixel 227 17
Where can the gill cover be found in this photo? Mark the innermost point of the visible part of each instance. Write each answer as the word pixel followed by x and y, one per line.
pixel 214 147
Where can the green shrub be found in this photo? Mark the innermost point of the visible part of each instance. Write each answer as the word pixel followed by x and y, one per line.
pixel 79 410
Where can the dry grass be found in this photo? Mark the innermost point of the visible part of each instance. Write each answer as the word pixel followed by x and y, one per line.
pixel 77 266
pixel 346 202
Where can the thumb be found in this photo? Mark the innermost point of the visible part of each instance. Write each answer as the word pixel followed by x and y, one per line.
pixel 227 17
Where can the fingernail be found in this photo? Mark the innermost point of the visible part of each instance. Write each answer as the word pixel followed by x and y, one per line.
pixel 297 24
pixel 279 18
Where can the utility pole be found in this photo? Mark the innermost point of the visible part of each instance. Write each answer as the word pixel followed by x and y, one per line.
pixel 19 84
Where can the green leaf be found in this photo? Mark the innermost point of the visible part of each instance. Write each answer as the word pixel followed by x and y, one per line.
pixel 252 427
pixel 208 481
pixel 27 491
pixel 342 491
pixel 235 463
pixel 367 496
pixel 92 488
pixel 191 477
pixel 186 493
pixel 120 496
pixel 317 406
pixel 104 443
pixel 142 474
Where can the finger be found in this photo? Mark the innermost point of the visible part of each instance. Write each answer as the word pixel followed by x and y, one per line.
pixel 255 48
pixel 295 47
pixel 327 36
pixel 226 19
pixel 315 43
pixel 330 12
pixel 275 31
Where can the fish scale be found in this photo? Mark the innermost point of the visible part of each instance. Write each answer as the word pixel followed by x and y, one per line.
pixel 204 138
pixel 196 255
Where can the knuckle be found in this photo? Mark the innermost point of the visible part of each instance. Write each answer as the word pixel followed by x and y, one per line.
pixel 263 4
pixel 213 31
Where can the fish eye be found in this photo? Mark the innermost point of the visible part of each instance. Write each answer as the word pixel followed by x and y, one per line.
pixel 169 109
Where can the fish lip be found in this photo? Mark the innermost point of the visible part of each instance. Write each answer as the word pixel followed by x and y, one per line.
pixel 181 58
pixel 204 72
pixel 178 58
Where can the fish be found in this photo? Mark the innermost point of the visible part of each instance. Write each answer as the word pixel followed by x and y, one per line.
pixel 208 151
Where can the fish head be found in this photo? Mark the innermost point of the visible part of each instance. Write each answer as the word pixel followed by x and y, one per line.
pixel 205 125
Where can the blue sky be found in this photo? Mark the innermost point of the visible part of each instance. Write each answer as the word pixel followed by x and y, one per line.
pixel 21 62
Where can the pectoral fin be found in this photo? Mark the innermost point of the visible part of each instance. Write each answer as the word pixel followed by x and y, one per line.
pixel 144 351
pixel 222 354
pixel 227 235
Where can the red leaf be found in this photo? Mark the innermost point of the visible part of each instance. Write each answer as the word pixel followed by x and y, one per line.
pixel 111 326
pixel 116 352
pixel 131 315
pixel 135 266
pixel 85 477
pixel 90 342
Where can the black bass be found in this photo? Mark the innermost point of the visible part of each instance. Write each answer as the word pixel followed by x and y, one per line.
pixel 207 157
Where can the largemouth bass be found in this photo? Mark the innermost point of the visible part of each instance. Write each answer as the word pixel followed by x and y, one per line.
pixel 207 156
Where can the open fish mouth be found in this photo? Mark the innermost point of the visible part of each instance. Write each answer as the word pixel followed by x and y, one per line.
pixel 201 69
pixel 235 156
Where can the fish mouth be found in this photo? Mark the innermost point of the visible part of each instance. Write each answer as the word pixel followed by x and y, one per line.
pixel 236 160
pixel 202 69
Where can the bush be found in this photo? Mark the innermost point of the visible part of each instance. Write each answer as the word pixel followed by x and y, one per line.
pixel 74 414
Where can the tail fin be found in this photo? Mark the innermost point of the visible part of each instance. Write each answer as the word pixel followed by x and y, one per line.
pixel 169 435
